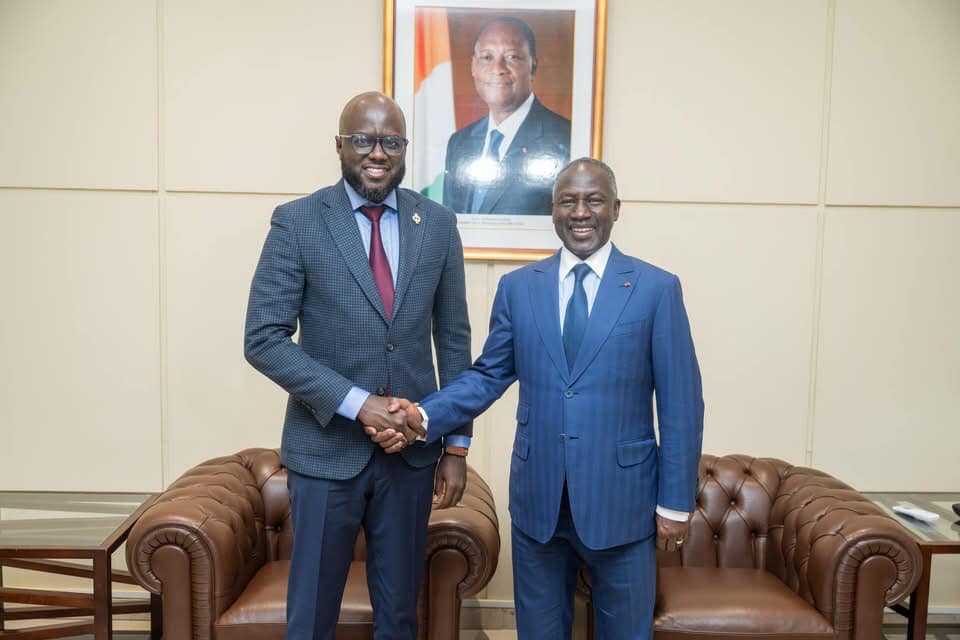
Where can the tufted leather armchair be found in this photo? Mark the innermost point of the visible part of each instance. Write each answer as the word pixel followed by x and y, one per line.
pixel 777 551
pixel 216 546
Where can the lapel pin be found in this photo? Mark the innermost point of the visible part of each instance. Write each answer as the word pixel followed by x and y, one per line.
pixel 523 149
pixel 626 284
pixel 416 218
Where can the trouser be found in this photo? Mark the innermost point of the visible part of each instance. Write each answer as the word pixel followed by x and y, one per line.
pixel 623 582
pixel 391 501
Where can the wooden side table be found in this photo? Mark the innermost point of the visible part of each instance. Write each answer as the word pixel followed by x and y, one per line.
pixel 940 537
pixel 39 530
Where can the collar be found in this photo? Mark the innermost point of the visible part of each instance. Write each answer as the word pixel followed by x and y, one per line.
pixel 357 201
pixel 596 261
pixel 511 124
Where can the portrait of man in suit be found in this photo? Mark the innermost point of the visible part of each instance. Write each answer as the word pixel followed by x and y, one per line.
pixel 594 337
pixel 372 277
pixel 506 162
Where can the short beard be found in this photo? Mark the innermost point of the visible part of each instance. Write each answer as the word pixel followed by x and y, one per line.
pixel 371 195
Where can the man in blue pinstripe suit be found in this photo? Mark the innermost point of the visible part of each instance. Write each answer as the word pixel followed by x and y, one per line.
pixel 592 335
pixel 369 273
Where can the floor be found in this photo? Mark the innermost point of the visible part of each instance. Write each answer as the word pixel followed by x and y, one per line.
pixel 891 632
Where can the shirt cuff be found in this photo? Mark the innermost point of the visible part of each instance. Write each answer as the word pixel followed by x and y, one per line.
pixel 351 405
pixel 672 514
pixel 425 423
pixel 453 440
pixel 457 440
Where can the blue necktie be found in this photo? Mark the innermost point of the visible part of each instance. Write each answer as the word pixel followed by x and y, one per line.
pixel 575 321
pixel 492 154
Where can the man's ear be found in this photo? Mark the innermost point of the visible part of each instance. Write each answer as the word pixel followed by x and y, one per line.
pixel 533 68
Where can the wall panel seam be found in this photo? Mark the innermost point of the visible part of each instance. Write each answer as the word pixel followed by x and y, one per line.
pixel 821 230
pixel 162 249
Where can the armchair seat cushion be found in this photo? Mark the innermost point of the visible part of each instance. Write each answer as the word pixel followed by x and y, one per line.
pixel 261 610
pixel 701 602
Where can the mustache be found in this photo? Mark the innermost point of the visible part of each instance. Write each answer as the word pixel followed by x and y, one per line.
pixel 352 176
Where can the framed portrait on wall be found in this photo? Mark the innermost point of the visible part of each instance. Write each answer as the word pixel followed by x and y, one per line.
pixel 498 97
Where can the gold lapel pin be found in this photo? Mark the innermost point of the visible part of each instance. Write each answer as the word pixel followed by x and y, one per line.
pixel 416 218
pixel 626 284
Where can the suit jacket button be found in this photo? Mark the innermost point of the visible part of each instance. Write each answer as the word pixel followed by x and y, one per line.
pixel 381 391
pixel 390 346
pixel 568 394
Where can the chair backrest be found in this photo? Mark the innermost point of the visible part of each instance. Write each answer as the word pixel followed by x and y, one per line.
pixel 271 476
pixel 731 525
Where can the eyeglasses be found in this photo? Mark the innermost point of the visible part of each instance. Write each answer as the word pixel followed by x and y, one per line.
pixel 364 144
pixel 570 203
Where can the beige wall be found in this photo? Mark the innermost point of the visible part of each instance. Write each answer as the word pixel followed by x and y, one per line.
pixel 796 163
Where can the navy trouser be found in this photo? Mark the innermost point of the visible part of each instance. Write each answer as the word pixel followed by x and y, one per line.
pixel 623 581
pixel 391 501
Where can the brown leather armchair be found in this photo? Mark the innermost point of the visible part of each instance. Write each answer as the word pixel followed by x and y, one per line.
pixel 216 546
pixel 777 551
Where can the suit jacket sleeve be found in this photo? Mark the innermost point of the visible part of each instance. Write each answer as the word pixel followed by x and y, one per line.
pixel 478 387
pixel 276 295
pixel 679 394
pixel 451 322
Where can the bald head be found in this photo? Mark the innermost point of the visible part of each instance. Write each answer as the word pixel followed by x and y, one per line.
pixel 368 168
pixel 371 103
pixel 583 164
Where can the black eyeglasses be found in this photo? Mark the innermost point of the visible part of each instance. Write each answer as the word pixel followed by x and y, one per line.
pixel 363 143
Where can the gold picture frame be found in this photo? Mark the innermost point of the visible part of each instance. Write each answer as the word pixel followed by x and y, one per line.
pixel 398 20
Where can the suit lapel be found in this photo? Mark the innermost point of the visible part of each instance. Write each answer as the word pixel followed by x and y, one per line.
pixel 512 163
pixel 411 239
pixel 545 302
pixel 478 135
pixel 611 297
pixel 472 148
pixel 342 224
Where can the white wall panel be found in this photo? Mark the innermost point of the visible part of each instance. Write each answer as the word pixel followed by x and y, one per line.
pixel 217 404
pixel 254 90
pixel 716 101
pixel 894 130
pixel 80 341
pixel 888 374
pixel 78 81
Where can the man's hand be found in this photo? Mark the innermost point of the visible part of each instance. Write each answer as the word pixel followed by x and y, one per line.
pixel 670 533
pixel 388 426
pixel 450 481
pixel 374 413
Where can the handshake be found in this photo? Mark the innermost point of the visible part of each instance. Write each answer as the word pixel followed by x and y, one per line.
pixel 393 423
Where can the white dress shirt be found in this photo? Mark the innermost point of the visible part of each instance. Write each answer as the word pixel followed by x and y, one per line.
pixel 508 128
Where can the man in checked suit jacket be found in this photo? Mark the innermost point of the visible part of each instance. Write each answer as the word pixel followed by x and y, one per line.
pixel 367 295
pixel 591 334
pixel 531 142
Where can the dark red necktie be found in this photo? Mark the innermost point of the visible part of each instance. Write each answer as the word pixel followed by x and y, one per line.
pixel 379 264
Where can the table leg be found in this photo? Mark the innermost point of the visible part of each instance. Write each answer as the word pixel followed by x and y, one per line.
pixel 920 600
pixel 156 617
pixel 1 603
pixel 102 597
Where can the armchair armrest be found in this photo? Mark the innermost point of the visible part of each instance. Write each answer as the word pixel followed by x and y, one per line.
pixel 841 552
pixel 199 544
pixel 463 546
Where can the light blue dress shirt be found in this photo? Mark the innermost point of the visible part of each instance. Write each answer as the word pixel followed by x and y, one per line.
pixel 390 236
